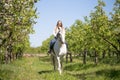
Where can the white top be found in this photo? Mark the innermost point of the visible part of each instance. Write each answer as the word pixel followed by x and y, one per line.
pixel 55 31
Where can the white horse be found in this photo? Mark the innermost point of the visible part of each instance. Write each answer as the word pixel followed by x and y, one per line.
pixel 59 50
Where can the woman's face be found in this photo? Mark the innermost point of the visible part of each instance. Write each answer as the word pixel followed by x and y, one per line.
pixel 60 23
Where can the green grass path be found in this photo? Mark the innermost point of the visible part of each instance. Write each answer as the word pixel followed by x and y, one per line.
pixel 34 68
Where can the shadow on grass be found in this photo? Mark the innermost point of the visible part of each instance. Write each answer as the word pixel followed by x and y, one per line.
pixel 110 60
pixel 77 66
pixel 1 79
pixel 84 76
pixel 5 74
pixel 112 74
pixel 45 71
pixel 45 58
pixel 104 74
pixel 97 74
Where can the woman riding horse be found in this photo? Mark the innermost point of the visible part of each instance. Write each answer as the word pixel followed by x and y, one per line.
pixel 56 30
pixel 58 46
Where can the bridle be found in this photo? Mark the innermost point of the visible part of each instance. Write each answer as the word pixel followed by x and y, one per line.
pixel 58 36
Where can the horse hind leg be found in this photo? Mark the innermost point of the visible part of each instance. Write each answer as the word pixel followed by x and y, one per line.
pixel 53 60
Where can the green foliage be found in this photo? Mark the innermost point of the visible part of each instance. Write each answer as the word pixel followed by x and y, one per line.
pixel 16 20
pixel 42 49
pixel 98 32
pixel 45 44
pixel 99 26
pixel 32 50
pixel 76 36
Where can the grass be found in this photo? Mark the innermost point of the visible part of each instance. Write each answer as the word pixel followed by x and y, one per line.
pixel 20 70
pixel 34 68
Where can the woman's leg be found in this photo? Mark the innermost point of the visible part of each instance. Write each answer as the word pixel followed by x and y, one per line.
pixel 52 42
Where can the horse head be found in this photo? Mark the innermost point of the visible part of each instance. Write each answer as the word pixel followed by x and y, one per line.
pixel 60 36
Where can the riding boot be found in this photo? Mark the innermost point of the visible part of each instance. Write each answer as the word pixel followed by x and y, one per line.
pixel 49 51
pixel 51 45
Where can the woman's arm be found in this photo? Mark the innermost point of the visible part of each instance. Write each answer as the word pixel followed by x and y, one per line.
pixel 55 31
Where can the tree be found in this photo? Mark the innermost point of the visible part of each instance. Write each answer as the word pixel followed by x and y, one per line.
pixel 115 27
pixel 45 44
pixel 17 18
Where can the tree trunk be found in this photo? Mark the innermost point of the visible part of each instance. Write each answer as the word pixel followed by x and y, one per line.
pixel 6 56
pixel 84 56
pixel 71 57
pixel 67 58
pixel 109 54
pixel 103 55
pixel 96 57
pixel 68 55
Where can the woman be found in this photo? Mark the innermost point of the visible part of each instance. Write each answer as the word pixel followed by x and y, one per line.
pixel 56 30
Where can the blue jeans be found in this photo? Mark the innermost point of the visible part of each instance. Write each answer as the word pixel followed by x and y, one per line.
pixel 52 42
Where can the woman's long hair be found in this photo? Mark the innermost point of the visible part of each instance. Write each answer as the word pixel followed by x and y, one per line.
pixel 58 23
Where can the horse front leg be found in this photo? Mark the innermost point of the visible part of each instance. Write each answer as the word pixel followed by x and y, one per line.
pixel 62 63
pixel 53 61
pixel 59 65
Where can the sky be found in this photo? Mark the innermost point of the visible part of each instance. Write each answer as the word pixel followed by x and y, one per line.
pixel 50 11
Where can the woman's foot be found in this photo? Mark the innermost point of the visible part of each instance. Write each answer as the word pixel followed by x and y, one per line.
pixel 49 51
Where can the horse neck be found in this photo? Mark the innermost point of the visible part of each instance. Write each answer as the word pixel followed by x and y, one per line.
pixel 59 43
pixel 63 38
